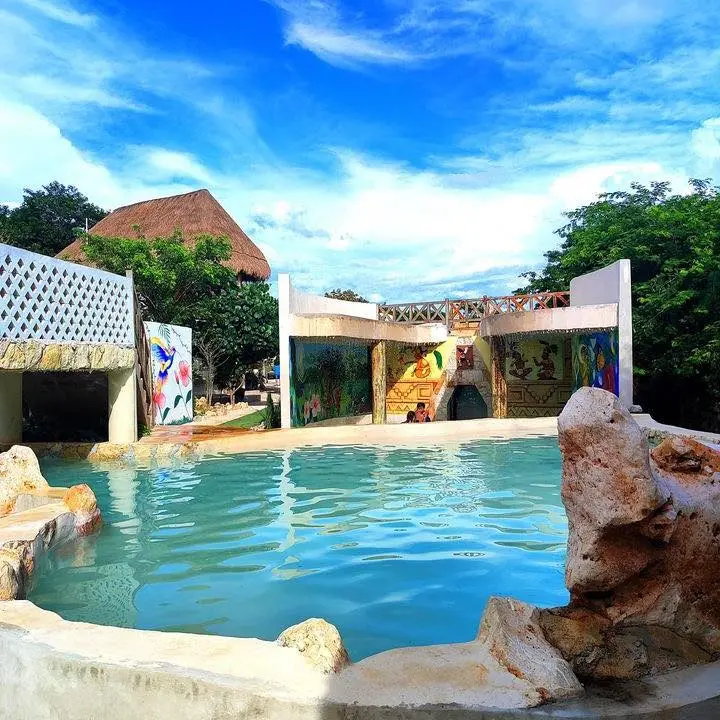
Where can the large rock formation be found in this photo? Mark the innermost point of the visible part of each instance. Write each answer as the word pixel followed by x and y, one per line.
pixel 19 474
pixel 644 545
pixel 35 517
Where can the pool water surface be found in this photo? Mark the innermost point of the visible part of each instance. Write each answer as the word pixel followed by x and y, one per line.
pixel 395 546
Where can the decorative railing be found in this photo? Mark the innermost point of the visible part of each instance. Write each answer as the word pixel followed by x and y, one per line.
pixel 526 303
pixel 452 312
pixel 46 299
pixel 415 313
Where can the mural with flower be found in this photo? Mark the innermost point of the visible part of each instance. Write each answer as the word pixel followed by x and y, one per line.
pixel 328 381
pixel 171 349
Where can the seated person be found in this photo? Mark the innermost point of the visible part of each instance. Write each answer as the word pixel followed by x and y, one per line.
pixel 421 414
pixel 410 417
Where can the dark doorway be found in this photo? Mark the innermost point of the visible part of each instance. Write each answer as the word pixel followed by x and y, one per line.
pixel 466 403
pixel 65 407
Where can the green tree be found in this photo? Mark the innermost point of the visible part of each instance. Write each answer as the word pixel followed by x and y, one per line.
pixel 235 330
pixel 673 243
pixel 350 295
pixel 48 219
pixel 234 326
pixel 171 277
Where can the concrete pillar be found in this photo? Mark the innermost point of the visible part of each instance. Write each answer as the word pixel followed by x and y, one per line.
pixel 11 419
pixel 625 334
pixel 378 363
pixel 499 383
pixel 284 293
pixel 122 408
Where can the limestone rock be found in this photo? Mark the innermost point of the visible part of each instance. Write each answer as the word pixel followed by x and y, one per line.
pixel 80 500
pixel 597 649
pixel 32 355
pixel 511 631
pixel 319 642
pixel 643 545
pixel 108 452
pixel 19 473
pixel 11 575
pixel 686 458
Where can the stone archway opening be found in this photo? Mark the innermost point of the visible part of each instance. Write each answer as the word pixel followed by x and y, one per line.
pixel 466 403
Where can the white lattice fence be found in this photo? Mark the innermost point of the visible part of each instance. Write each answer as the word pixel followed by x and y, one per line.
pixel 46 299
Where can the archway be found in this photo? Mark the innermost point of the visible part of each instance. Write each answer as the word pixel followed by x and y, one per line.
pixel 466 403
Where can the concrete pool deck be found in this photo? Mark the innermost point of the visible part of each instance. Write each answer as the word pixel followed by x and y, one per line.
pixel 188 441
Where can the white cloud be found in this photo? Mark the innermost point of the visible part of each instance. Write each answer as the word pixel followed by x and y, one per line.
pixel 335 45
pixel 30 144
pixel 176 165
pixel 426 29
pixel 60 12
pixel 706 140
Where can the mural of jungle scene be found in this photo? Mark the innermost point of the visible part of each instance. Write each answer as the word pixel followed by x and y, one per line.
pixel 414 374
pixel 328 381
pixel 595 361
pixel 534 359
pixel 171 348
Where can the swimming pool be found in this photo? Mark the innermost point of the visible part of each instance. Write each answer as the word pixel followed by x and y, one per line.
pixel 395 546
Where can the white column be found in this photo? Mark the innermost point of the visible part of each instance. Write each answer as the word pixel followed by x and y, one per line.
pixel 625 334
pixel 284 327
pixel 10 407
pixel 122 408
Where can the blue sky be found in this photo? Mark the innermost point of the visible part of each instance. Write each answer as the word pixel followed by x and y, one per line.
pixel 409 149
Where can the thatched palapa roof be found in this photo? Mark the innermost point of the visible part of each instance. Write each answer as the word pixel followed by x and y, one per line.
pixel 195 213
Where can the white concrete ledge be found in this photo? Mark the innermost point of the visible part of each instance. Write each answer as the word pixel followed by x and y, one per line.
pixel 345 326
pixel 562 320
pixel 52 668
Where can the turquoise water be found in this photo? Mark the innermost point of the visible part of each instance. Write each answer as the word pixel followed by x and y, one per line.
pixel 395 546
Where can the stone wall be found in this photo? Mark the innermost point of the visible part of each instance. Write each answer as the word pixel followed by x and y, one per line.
pixel 37 356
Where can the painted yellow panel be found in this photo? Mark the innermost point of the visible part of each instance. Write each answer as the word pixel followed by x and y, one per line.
pixel 407 363
pixel 483 351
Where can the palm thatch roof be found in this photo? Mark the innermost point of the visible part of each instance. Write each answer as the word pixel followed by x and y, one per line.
pixel 194 213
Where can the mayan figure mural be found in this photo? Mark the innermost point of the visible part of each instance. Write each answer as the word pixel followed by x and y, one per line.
pixel 328 381
pixel 534 359
pixel 595 361
pixel 414 374
pixel 171 348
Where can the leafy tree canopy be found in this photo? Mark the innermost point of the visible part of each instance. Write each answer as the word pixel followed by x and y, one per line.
pixel 673 243
pixel 48 219
pixel 350 295
pixel 240 328
pixel 171 277
pixel 234 326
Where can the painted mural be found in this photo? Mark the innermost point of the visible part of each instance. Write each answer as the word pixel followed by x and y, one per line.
pixel 533 359
pixel 465 357
pixel 171 348
pixel 595 361
pixel 328 381
pixel 415 374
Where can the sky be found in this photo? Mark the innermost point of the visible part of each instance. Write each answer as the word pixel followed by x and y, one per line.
pixel 407 149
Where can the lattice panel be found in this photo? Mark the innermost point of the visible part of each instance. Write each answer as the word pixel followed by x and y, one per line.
pixel 46 299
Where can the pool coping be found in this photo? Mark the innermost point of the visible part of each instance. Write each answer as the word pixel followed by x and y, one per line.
pixel 124 673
